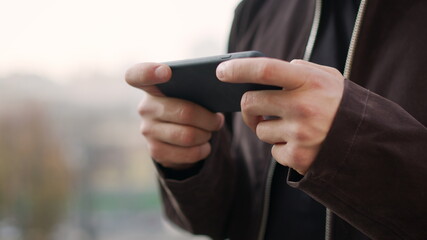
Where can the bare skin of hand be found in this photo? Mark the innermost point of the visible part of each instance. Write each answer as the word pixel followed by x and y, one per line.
pixel 303 111
pixel 177 131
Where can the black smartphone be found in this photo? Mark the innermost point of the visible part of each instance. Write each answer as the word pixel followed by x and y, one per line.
pixel 195 80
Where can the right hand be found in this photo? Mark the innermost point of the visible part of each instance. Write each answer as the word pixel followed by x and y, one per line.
pixel 177 131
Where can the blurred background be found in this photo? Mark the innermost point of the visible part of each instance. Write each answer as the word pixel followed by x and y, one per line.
pixel 72 161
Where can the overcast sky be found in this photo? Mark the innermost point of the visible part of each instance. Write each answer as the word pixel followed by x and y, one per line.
pixel 56 38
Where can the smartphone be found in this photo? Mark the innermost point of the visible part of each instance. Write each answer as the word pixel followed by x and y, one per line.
pixel 195 80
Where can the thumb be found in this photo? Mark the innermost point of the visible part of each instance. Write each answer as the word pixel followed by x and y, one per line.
pixel 145 75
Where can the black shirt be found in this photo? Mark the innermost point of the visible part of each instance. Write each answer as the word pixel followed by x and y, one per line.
pixel 293 214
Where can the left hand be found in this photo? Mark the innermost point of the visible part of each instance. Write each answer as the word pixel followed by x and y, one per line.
pixel 303 110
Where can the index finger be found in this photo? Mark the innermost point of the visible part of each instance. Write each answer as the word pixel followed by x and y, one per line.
pixel 145 75
pixel 267 71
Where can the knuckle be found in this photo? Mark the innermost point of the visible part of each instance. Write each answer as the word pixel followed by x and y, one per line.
pixel 265 70
pixel 333 71
pixel 301 133
pixel 247 101
pixel 187 137
pixel 200 153
pixel 145 129
pixel 322 79
pixel 144 106
pixel 195 155
pixel 262 133
pixel 291 156
pixel 315 79
pixel 305 110
pixel 192 155
pixel 156 151
pixel 276 153
pixel 296 156
pixel 184 113
pixel 316 82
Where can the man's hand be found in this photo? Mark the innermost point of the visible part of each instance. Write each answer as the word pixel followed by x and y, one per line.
pixel 177 131
pixel 296 119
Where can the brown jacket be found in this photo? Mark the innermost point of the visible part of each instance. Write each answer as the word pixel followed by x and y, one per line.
pixel 372 168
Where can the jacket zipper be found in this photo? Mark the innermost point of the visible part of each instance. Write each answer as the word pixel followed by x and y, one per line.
pixel 354 38
pixel 347 70
pixel 307 55
pixel 266 204
pixel 314 30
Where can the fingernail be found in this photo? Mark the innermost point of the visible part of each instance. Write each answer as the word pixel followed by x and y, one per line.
pixel 220 71
pixel 161 72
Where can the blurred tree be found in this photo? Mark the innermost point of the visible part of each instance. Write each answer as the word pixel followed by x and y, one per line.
pixel 34 181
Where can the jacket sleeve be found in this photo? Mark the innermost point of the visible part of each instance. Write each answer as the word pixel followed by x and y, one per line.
pixel 201 203
pixel 372 168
